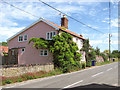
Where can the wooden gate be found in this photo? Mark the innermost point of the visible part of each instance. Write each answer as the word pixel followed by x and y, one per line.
pixel 13 56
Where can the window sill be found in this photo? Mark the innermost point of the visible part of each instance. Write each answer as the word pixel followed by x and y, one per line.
pixel 43 55
pixel 22 41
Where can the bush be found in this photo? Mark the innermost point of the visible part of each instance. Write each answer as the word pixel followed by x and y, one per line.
pixel 8 81
pixel 83 65
pixel 88 63
pixel 19 80
pixel 104 56
pixel 29 77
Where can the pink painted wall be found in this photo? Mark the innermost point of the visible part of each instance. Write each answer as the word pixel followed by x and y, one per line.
pixel 32 55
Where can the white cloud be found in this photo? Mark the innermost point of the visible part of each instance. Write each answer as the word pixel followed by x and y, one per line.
pixel 105 9
pixel 105 21
pixel 114 23
pixel 9 31
pixel 114 42
pixel 92 42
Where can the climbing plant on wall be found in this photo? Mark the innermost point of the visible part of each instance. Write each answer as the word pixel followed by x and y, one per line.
pixel 63 48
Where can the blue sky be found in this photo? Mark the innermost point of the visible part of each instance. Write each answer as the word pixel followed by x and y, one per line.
pixel 94 14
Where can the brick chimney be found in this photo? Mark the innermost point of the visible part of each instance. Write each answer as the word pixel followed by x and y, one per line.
pixel 64 22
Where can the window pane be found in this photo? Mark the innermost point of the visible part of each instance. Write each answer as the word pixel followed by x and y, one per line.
pixel 25 37
pixel 41 52
pixel 54 34
pixel 47 35
pixel 45 52
pixel 50 35
pixel 20 38
pixel 23 50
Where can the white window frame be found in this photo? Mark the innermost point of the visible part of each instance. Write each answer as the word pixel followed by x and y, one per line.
pixel 24 37
pixel 50 34
pixel 18 38
pixel 43 52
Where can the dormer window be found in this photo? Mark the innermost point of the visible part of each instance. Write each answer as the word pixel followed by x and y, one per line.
pixel 50 35
pixel 20 39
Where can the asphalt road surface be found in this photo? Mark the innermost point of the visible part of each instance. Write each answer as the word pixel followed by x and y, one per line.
pixel 105 76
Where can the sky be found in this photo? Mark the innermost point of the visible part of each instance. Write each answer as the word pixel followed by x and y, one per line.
pixel 92 13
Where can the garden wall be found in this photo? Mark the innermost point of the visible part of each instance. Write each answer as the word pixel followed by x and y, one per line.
pixel 99 59
pixel 9 71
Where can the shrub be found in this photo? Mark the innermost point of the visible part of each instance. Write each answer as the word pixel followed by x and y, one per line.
pixel 8 81
pixel 104 56
pixel 19 80
pixel 88 63
pixel 83 65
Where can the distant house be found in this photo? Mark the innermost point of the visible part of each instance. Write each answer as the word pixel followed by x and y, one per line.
pixel 3 49
pixel 20 52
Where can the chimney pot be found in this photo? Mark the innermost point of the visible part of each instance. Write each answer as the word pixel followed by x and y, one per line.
pixel 64 22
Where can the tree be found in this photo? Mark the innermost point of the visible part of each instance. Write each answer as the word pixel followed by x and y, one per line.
pixel 4 44
pixel 106 51
pixel 116 53
pixel 86 46
pixel 97 51
pixel 63 48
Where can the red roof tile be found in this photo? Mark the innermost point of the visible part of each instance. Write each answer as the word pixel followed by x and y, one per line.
pixel 65 30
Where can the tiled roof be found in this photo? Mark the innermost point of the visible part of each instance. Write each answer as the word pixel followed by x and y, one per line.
pixel 65 30
pixel 57 27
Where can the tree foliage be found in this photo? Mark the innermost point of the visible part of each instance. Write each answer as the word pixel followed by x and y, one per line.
pixel 97 51
pixel 106 51
pixel 63 48
pixel 116 54
pixel 4 44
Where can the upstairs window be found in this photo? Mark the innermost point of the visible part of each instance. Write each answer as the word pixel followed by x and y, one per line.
pixel 76 39
pixel 50 35
pixel 20 39
pixel 25 37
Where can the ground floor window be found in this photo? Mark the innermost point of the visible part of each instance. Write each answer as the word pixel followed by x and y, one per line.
pixel 43 52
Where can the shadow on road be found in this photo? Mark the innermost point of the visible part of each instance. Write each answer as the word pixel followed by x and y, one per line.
pixel 93 86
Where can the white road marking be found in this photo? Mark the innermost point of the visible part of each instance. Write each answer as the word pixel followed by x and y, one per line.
pixel 97 74
pixel 73 84
pixel 109 69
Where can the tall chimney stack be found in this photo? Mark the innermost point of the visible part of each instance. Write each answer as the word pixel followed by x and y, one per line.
pixel 64 22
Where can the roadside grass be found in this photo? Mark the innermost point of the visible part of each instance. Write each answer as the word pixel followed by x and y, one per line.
pixel 41 74
pixel 106 62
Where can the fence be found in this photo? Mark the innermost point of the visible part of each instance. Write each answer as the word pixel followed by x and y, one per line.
pixel 15 70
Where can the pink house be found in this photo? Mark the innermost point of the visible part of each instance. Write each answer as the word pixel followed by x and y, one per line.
pixel 20 52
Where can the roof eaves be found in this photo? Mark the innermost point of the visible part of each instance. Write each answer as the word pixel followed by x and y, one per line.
pixel 72 34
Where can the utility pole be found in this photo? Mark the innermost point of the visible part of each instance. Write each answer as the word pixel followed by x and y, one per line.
pixel 109 30
pixel 109 47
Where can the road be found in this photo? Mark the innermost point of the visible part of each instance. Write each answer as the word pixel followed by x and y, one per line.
pixel 100 76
